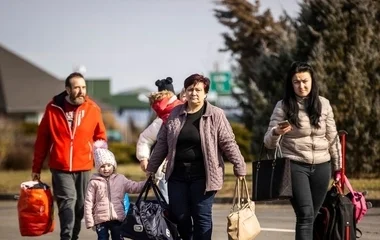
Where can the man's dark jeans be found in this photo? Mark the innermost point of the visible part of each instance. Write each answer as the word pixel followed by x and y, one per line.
pixel 69 189
pixel 103 230
pixel 191 206
pixel 310 183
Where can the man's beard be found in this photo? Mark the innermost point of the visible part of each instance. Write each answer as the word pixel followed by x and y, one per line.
pixel 77 99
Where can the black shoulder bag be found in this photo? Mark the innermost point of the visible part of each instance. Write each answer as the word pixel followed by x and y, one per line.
pixel 149 218
pixel 271 176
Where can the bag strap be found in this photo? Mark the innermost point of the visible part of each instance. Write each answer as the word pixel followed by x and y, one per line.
pixel 159 196
pixel 149 184
pixel 277 151
pixel 360 233
pixel 261 150
pixel 241 193
pixel 236 195
pixel 348 185
pixel 338 188
pixel 245 190
pixel 145 190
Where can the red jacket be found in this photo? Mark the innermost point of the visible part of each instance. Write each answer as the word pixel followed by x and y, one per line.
pixel 70 150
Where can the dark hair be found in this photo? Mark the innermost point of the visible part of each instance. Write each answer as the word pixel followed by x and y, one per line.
pixel 165 84
pixel 71 76
pixel 312 103
pixel 197 78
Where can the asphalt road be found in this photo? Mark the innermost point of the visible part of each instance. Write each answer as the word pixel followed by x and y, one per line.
pixel 277 222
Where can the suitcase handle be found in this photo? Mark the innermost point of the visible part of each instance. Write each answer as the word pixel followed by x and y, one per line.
pixel 342 136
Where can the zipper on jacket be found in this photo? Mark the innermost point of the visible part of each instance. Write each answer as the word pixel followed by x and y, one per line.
pixel 72 137
pixel 72 133
pixel 203 150
pixel 51 147
pixel 174 151
pixel 109 196
pixel 71 154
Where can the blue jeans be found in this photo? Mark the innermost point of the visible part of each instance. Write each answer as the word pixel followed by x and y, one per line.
pixel 103 229
pixel 309 183
pixel 193 206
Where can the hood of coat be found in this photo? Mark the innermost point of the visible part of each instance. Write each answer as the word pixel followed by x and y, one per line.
pixel 59 99
pixel 164 104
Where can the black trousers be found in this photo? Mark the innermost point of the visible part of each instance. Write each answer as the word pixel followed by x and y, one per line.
pixel 310 184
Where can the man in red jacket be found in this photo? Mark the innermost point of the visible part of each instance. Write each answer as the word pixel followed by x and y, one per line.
pixel 69 127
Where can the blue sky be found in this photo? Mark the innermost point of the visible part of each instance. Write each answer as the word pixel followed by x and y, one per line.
pixel 133 42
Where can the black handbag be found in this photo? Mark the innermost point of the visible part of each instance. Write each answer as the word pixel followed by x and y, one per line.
pixel 149 218
pixel 271 176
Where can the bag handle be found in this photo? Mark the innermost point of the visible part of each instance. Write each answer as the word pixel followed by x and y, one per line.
pixel 348 185
pixel 157 193
pixel 236 195
pixel 144 190
pixel 277 151
pixel 338 188
pixel 240 191
pixel 159 196
pixel 342 135
pixel 245 190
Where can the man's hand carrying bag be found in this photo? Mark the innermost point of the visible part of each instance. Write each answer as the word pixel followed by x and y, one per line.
pixel 242 223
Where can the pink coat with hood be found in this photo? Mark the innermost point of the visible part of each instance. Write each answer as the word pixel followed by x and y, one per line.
pixel 105 195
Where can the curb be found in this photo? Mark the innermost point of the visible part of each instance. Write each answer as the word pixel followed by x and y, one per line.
pixel 218 200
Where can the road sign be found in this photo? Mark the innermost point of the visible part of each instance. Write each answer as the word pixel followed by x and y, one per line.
pixel 220 82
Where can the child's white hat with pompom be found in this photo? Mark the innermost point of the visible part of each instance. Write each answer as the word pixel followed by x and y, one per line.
pixel 102 155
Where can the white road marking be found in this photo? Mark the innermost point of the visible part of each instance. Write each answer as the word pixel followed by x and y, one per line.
pixel 277 230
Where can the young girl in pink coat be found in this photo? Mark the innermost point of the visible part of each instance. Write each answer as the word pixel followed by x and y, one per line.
pixel 103 209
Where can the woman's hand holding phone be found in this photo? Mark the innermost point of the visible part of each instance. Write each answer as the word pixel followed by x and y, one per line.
pixel 282 128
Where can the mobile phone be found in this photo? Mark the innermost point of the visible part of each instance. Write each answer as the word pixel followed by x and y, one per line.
pixel 283 124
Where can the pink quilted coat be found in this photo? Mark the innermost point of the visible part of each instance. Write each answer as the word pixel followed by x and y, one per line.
pixel 105 197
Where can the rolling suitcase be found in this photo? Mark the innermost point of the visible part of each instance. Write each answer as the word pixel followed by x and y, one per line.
pixel 357 198
pixel 340 212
